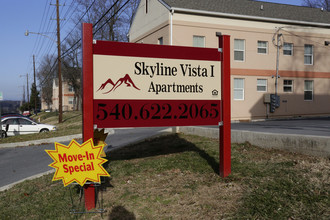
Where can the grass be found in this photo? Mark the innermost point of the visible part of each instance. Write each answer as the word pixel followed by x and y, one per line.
pixel 72 124
pixel 175 177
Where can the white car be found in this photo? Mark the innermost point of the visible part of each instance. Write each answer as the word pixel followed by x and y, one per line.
pixel 11 126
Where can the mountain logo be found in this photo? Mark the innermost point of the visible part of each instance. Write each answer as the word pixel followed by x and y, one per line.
pixel 126 79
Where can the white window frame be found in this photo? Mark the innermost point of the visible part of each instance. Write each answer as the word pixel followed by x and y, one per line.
pixel 70 100
pixel 239 50
pixel 286 49
pixel 198 41
pixel 262 85
pixel 240 90
pixel 288 86
pixel 262 47
pixel 309 90
pixel 309 55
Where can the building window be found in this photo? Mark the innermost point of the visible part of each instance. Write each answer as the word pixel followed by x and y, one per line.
pixel 239 50
pixel 308 58
pixel 262 47
pixel 238 89
pixel 288 49
pixel 160 41
pixel 71 89
pixel 308 90
pixel 71 100
pixel 198 41
pixel 287 85
pixel 147 6
pixel 262 85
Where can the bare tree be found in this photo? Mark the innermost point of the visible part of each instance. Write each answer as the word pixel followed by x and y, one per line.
pixel 72 67
pixel 46 75
pixel 110 18
pixel 325 4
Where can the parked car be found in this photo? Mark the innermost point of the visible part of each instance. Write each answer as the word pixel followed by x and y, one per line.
pixel 11 126
pixel 27 113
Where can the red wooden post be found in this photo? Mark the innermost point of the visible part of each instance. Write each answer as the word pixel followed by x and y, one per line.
pixel 225 129
pixel 87 101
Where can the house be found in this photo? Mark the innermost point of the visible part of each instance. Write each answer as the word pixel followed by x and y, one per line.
pixel 275 49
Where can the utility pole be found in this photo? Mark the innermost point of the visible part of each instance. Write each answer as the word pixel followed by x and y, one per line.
pixel 35 84
pixel 274 98
pixel 23 94
pixel 27 86
pixel 60 108
pixel 278 46
pixel 277 61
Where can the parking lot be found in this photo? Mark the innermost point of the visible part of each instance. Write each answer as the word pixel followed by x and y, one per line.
pixel 309 126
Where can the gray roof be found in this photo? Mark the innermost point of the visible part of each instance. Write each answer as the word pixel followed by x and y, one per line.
pixel 253 9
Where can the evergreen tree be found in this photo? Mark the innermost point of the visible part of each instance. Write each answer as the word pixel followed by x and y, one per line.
pixel 34 98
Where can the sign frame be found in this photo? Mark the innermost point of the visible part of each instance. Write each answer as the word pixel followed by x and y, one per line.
pixel 136 50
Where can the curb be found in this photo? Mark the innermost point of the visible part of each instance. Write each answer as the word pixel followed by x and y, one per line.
pixel 304 144
pixel 49 140
pixel 41 141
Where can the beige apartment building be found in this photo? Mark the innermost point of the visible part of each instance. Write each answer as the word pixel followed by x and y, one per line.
pixel 275 48
pixel 68 100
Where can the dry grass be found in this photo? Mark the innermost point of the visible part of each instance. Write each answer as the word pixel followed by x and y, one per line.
pixel 174 194
pixel 176 178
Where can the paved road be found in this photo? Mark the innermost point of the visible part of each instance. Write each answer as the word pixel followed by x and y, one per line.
pixel 310 126
pixel 19 163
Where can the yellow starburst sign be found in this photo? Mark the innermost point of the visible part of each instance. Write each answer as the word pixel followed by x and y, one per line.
pixel 77 162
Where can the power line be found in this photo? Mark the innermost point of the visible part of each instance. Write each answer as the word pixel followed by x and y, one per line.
pixel 305 38
pixel 64 54
pixel 105 13
pixel 70 8
pixel 111 16
pixel 79 20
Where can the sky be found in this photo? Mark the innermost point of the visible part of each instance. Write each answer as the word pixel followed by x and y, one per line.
pixel 17 50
